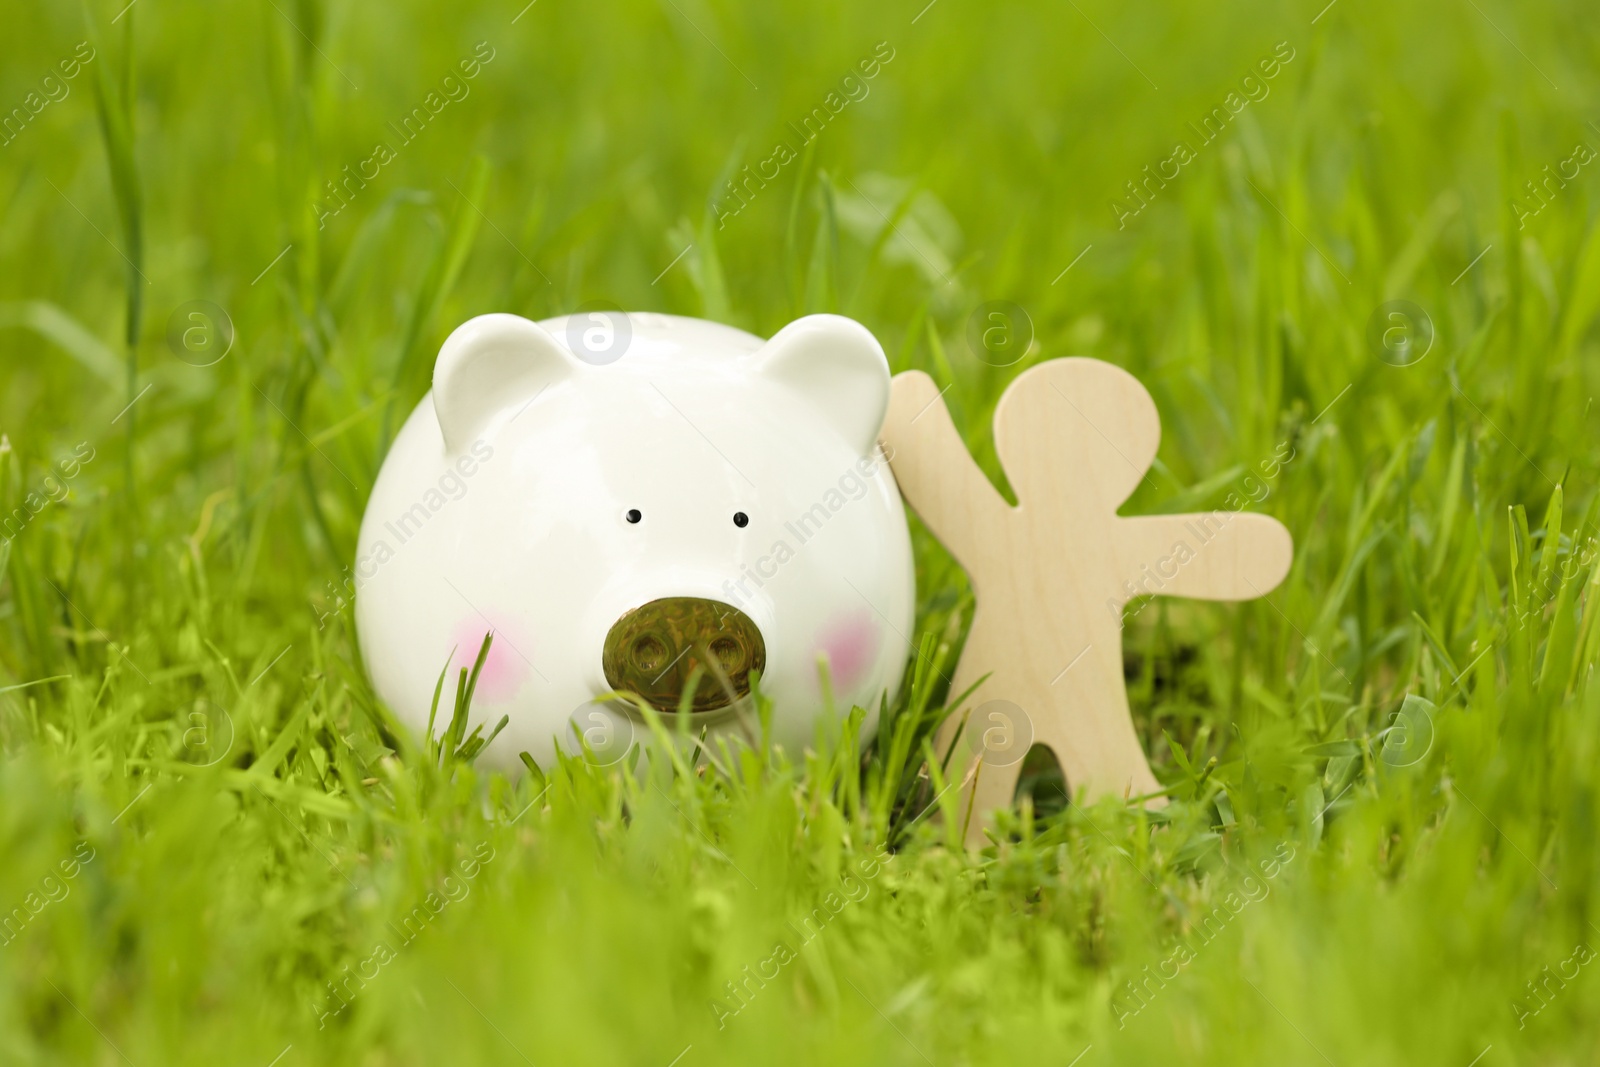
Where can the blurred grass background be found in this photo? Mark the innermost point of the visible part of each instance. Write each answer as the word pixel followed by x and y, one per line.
pixel 182 699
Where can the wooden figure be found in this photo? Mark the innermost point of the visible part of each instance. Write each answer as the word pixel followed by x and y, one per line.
pixel 1051 575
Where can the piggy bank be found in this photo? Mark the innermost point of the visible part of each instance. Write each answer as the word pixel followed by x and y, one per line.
pixel 628 502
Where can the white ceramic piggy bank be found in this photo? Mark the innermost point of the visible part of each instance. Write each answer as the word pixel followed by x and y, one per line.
pixel 623 499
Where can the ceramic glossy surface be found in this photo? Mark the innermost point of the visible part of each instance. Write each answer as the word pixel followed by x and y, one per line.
pixel 546 496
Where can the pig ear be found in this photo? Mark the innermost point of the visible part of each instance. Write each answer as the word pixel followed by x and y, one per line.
pixel 488 364
pixel 838 368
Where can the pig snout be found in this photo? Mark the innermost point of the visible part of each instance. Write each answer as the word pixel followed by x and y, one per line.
pixel 652 651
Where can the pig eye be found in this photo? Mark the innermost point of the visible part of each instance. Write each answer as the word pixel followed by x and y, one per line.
pixel 740 519
pixel 634 515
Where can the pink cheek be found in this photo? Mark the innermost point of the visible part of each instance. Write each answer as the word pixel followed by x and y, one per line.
pixel 851 644
pixel 504 672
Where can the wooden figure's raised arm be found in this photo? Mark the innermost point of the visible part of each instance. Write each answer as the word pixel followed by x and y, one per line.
pixel 1210 555
pixel 936 473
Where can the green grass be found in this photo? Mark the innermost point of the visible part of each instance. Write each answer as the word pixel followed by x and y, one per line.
pixel 1387 894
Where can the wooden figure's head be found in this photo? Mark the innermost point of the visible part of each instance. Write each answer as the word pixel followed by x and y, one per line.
pixel 1076 422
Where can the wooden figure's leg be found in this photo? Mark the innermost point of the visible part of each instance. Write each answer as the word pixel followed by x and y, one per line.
pixel 992 788
pixel 1092 734
pixel 990 739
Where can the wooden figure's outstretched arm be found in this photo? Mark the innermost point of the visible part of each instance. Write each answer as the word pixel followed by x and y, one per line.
pixel 1211 555
pixel 936 473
